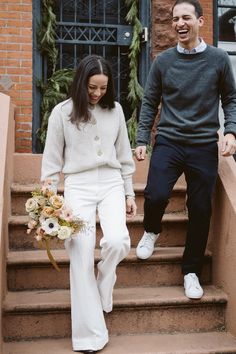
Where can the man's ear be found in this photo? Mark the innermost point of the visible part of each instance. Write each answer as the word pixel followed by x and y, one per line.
pixel 201 21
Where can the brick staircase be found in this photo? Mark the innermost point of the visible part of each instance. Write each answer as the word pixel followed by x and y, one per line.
pixel 151 314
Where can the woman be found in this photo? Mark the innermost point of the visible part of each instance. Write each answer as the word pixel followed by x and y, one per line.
pixel 87 141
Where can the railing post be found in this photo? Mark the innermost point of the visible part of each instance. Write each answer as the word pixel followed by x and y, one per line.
pixel 6 172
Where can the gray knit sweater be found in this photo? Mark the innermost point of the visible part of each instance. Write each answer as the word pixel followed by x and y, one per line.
pixel 188 88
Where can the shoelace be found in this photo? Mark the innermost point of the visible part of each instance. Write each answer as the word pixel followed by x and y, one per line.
pixel 193 281
pixel 148 241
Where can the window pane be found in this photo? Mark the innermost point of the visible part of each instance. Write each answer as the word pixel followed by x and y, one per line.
pixel 227 20
pixel 91 11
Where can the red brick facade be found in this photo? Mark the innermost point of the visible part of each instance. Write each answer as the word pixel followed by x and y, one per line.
pixel 16 54
pixel 16 64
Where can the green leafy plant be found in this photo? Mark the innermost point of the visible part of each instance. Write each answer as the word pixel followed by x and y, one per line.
pixel 46 35
pixel 58 83
pixel 135 89
pixel 54 91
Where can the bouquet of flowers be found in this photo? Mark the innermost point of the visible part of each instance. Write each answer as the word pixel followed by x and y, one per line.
pixel 50 218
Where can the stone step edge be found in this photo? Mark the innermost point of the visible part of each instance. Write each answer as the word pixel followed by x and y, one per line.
pixel 39 257
pixel 137 297
pixel 17 188
pixel 212 342
pixel 18 220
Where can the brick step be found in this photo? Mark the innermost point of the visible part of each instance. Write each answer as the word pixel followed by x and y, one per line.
pixel 20 193
pixel 138 310
pixel 177 343
pixel 173 234
pixel 28 270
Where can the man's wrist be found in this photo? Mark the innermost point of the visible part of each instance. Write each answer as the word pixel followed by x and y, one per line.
pixel 229 133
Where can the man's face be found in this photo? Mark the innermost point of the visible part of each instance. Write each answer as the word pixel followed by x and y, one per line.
pixel 186 25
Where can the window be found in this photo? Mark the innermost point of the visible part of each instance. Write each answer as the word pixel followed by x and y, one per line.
pixel 225 36
pixel 226 14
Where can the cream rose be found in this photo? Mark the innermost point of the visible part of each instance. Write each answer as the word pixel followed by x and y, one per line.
pixel 64 232
pixel 31 205
pixel 47 212
pixel 40 200
pixel 56 201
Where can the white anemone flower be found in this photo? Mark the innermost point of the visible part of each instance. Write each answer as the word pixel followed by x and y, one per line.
pixel 64 232
pixel 50 226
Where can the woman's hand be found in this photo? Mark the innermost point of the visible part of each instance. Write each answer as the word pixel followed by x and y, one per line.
pixel 131 207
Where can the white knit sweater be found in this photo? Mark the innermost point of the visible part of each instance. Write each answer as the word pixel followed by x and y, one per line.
pixel 101 142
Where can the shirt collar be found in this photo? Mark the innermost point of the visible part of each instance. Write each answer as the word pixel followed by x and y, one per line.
pixel 200 48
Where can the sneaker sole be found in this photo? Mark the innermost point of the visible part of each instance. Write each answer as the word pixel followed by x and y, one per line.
pixel 143 257
pixel 194 297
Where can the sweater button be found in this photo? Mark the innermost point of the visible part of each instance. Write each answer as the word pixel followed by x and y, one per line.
pixel 99 153
pixel 96 138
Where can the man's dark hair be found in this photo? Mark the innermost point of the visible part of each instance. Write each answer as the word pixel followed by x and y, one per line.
pixel 196 4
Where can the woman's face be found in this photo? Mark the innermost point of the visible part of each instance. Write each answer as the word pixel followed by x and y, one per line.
pixel 97 87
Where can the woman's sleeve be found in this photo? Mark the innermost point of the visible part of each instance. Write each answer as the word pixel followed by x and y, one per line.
pixel 53 159
pixel 124 154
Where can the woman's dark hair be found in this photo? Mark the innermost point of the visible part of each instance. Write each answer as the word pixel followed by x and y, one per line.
pixel 195 3
pixel 89 66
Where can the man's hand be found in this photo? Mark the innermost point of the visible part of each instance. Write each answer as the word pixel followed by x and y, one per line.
pixel 228 146
pixel 140 152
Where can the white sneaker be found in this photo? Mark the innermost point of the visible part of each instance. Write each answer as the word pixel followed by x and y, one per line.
pixel 145 246
pixel 192 287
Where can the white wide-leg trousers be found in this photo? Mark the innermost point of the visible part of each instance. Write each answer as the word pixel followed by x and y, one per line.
pixel 98 190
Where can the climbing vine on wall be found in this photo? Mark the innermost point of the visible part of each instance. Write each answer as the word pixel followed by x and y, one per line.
pixel 58 83
pixel 135 89
pixel 46 35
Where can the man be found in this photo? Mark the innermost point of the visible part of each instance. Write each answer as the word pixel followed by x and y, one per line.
pixel 188 81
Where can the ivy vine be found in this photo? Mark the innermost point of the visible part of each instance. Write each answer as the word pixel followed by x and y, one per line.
pixel 58 83
pixel 135 89
pixel 55 91
pixel 46 34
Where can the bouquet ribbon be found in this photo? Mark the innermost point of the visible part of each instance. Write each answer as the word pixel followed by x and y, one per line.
pixel 50 256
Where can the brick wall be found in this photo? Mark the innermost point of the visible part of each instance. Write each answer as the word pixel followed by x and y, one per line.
pixel 16 54
pixel 162 35
pixel 16 65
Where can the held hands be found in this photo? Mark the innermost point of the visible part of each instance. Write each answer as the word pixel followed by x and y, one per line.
pixel 140 152
pixel 228 145
pixel 131 207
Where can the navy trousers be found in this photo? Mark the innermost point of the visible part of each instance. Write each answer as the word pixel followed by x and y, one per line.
pixel 199 163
